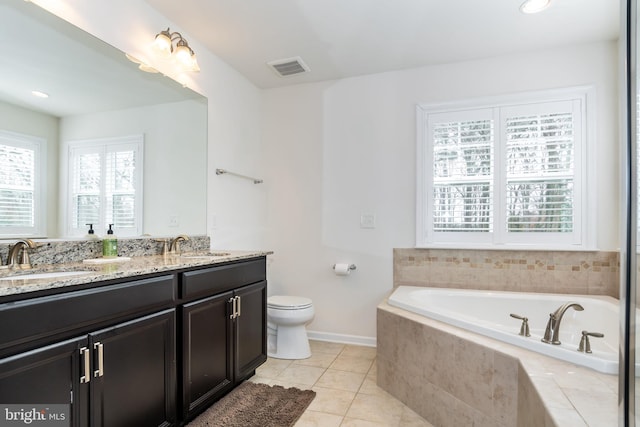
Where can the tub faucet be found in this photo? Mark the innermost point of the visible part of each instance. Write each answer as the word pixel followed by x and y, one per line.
pixel 24 261
pixel 552 333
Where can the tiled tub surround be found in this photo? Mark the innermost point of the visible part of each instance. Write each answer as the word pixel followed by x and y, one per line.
pixel 562 272
pixel 58 251
pixel 137 266
pixel 453 377
pixel 488 313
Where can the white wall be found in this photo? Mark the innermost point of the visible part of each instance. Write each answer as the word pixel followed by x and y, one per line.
pixel 336 150
pixel 233 112
pixel 29 122
pixel 175 168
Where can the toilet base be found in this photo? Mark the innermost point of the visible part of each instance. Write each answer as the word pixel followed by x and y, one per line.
pixel 291 342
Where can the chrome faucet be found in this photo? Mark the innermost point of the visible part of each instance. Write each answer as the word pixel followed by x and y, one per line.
pixel 24 261
pixel 552 333
pixel 174 247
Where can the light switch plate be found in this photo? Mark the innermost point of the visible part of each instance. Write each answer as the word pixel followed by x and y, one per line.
pixel 368 220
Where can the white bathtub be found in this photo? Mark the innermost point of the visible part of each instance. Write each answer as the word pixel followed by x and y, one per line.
pixel 487 313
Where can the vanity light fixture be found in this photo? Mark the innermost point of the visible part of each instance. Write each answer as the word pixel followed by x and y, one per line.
pixel 182 53
pixel 534 6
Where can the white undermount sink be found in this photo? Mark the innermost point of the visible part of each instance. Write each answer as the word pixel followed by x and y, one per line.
pixel 49 275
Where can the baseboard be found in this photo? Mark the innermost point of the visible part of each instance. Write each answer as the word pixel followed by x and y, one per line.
pixel 344 339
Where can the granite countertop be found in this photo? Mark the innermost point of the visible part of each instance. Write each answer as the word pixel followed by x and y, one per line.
pixel 13 282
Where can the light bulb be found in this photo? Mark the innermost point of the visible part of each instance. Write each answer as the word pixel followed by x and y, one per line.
pixel 162 44
pixel 183 55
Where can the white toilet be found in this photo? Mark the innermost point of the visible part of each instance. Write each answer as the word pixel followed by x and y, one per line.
pixel 287 318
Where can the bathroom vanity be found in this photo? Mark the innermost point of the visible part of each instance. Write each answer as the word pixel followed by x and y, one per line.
pixel 152 342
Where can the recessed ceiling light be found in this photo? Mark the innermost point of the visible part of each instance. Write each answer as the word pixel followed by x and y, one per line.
pixel 39 94
pixel 534 6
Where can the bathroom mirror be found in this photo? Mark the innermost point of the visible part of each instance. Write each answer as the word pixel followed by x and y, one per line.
pixel 95 92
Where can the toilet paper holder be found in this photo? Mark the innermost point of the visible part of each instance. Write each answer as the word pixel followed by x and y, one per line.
pixel 351 267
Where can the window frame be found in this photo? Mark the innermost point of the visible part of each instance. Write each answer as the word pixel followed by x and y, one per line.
pixel 106 145
pixel 585 202
pixel 39 146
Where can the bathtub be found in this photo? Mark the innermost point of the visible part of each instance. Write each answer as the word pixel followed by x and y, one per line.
pixel 487 313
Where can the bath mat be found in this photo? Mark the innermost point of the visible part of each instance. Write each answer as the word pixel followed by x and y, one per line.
pixel 256 405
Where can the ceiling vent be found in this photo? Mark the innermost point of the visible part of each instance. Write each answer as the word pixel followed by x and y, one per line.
pixel 289 66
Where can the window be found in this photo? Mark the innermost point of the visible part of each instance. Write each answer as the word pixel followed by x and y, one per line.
pixel 105 185
pixel 21 194
pixel 503 172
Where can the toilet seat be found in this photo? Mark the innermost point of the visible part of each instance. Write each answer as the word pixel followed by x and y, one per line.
pixel 285 302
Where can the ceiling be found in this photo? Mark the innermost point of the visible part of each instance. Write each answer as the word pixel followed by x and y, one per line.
pixel 344 38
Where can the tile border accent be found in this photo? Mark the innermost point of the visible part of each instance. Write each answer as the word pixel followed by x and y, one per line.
pixel 565 272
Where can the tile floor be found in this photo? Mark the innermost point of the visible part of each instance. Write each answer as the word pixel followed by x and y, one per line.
pixel 344 379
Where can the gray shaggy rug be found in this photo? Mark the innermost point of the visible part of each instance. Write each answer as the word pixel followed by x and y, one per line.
pixel 256 405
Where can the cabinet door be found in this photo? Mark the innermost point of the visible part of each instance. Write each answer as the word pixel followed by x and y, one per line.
pixel 48 375
pixel 134 380
pixel 250 330
pixel 206 343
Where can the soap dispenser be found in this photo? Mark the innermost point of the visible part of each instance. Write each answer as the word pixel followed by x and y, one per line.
pixel 110 244
pixel 91 234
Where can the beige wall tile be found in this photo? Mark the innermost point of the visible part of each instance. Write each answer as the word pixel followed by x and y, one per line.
pixel 594 273
pixel 505 388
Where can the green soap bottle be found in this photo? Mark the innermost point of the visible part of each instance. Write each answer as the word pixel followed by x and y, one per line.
pixel 110 244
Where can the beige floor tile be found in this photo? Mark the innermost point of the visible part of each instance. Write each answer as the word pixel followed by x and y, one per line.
pixel 321 360
pixel 326 347
pixel 318 419
pixel 376 408
pixel 373 372
pixel 344 379
pixel 287 383
pixel 370 387
pixel 273 367
pixel 300 374
pixel 341 380
pixel 411 419
pixel 260 380
pixel 331 401
pixel 354 422
pixel 359 351
pixel 351 364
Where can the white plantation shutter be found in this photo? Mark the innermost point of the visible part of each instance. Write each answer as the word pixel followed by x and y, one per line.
pixel 20 189
pixel 105 185
pixel 540 170
pixel 502 174
pixel 462 175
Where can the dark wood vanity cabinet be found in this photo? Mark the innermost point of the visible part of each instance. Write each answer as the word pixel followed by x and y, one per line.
pixel 120 354
pixel 223 334
pixel 120 375
pixel 50 375
pixel 135 382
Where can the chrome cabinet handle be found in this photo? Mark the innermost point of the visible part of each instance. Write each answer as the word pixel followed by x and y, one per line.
pixel 100 371
pixel 239 307
pixel 84 352
pixel 232 301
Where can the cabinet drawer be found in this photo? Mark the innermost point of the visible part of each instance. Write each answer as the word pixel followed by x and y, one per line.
pixel 38 318
pixel 210 281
